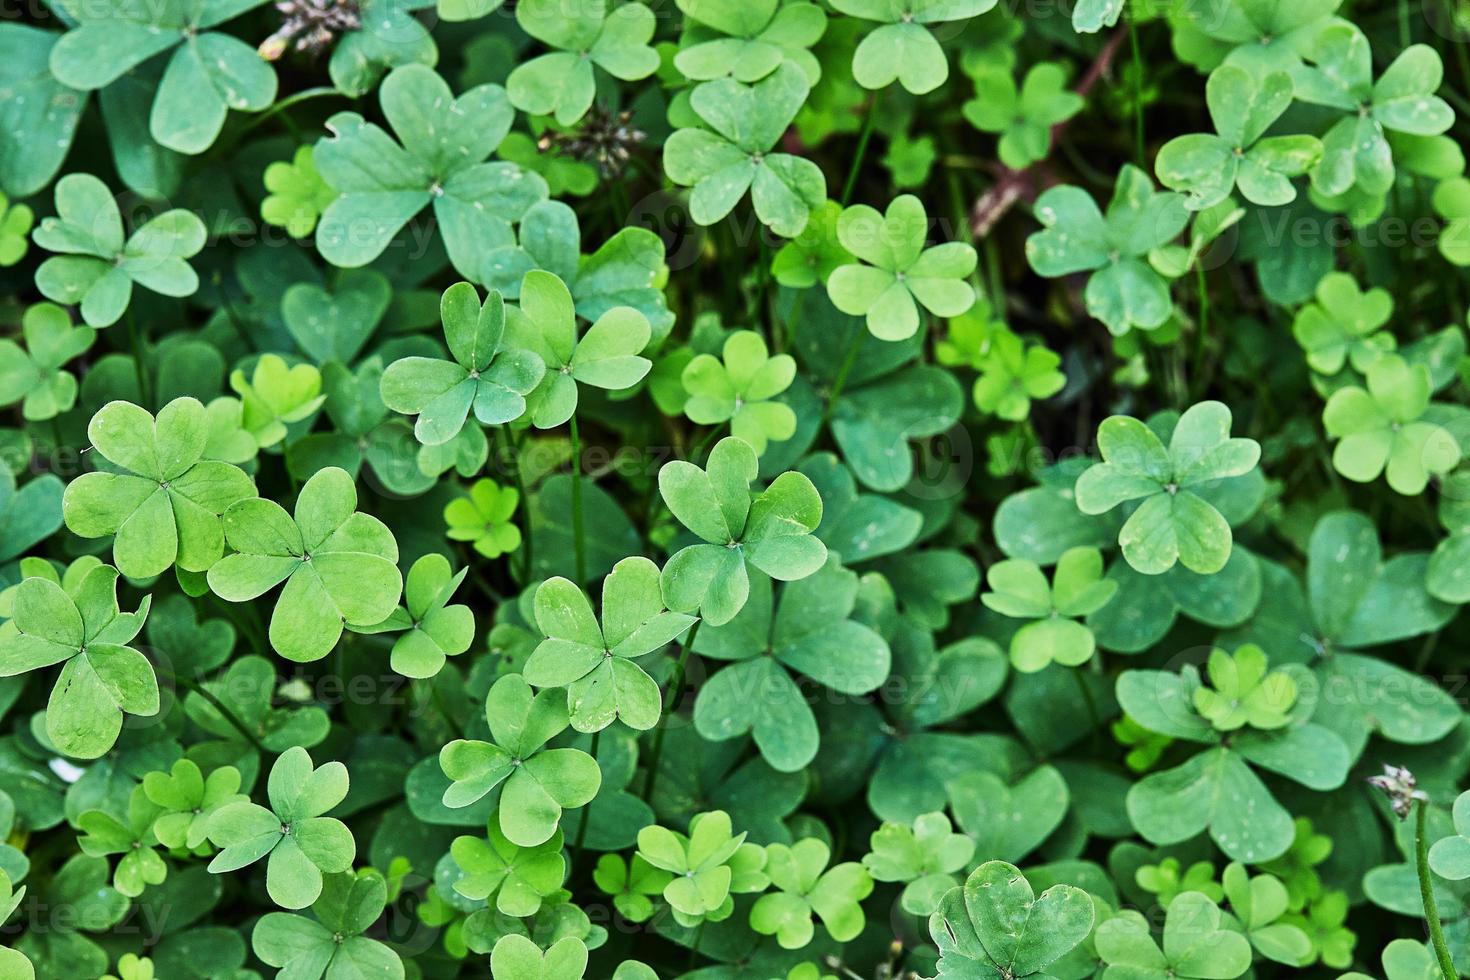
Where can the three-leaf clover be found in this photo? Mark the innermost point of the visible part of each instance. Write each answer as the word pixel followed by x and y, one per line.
pixel 98 267
pixel 1021 591
pixel 771 531
pixel 82 628
pixel 738 386
pixel 606 356
pixel 1013 373
pixel 332 944
pixel 1382 429
pixel 15 225
pixel 1197 944
pixel 103 835
pixel 302 843
pixel 925 856
pixel 340 566
pixel 517 878
pixel 596 663
pixel 1123 290
pixel 298 195
pixel 1259 901
pixel 562 83
pixel 166 504
pixel 1244 691
pixel 187 801
pixel 537 782
pixel 996 925
pixel 33 375
pixel 441 162
pixel 808 887
pixel 631 884
pixel 486 374
pixel 484 518
pixel 1344 325
pixel 736 153
pixel 1174 523
pixel 707 866
pixel 276 395
pixel 897 270
pixel 517 958
pixel 812 255
pixel 1024 118
pixel 748 40
pixel 431 628
pixel 903 48
pixel 1243 107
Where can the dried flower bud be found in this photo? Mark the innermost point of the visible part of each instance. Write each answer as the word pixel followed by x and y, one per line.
pixel 604 138
pixel 1399 785
pixel 310 26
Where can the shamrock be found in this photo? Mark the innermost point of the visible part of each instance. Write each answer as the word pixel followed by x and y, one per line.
pixel 1123 291
pixel 165 506
pixel 899 270
pixel 807 632
pixel 1355 151
pixel 748 40
pixel 562 83
pixel 1259 901
pixel 431 629
pixel 34 374
pixel 15 225
pixel 738 386
pixel 1344 325
pixel 298 195
pixel 596 663
pixel 339 565
pixel 1012 373
pixel 1383 429
pixel 209 73
pixel 996 925
pixel 98 267
pixel 707 866
pixel 1262 36
pixel 747 122
pixel 187 801
pixel 82 628
pixel 1451 201
pixel 517 878
pixel 1450 856
pixel 1207 168
pixel 239 704
pixel 332 944
pixel 1332 941
pixel 131 966
pixel 812 255
pixel 1173 523
pixel 631 884
pixel 1196 944
pixel 103 835
pixel 484 517
pixel 517 958
pixel 303 844
pixel 1024 118
pixel 606 356
pixel 538 782
pixel 276 395
pixel 445 142
pixel 1166 880
pixel 1244 692
pixel 925 856
pixel 903 48
pixel 486 374
pixel 771 531
pixel 909 161
pixel 807 887
pixel 1022 592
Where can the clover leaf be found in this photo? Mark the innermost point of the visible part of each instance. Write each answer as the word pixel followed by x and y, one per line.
pixel 1123 290
pixel 484 518
pixel 1450 856
pixel 562 83
pixel 298 195
pixel 104 835
pixel 276 395
pixel 596 663
pixel 1382 430
pixel 97 267
pixel 1077 589
pixel 897 271
pixel 332 944
pixel 631 884
pixel 1451 201
pixel 707 865
pixel 1023 118
pixel 81 628
pixel 738 387
pixel 736 153
pixel 15 225
pixel 34 375
pixel 239 705
pixel 486 375
pixel 165 505
pixel 995 924
pixel 518 878
pixel 1242 107
pixel 187 801
pixel 441 162
pixel 1261 36
pixel 302 843
pixel 771 531
pixel 806 887
pixel 1259 902
pixel 606 356
pixel 748 40
pixel 1244 692
pixel 1355 151
pixel 925 856
pixel 431 629
pixel 517 958
pixel 1012 373
pixel 812 255
pixel 131 966
pixel 538 783
pixel 1344 325
pixel 339 565
pixel 1196 944
pixel 903 49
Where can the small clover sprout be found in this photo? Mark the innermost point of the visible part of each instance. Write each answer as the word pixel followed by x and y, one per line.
pixel 34 375
pixel 1244 692
pixel 1382 430
pixel 1344 325
pixel 1023 118
pixel 707 866
pixel 738 387
pixel 925 856
pixel 1077 589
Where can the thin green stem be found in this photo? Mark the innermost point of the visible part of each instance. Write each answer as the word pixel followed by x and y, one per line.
pixel 1139 134
pixel 869 121
pixel 515 473
pixel 586 817
pixel 1426 892
pixel 843 370
pixel 671 698
pixel 224 712
pixel 579 535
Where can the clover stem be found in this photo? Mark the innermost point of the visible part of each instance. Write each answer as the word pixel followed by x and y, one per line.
pixel 1426 891
pixel 1138 135
pixel 586 818
pixel 671 698
pixel 515 475
pixel 135 346
pixel 224 712
pixel 579 537
pixel 694 946
pixel 869 121
pixel 1198 371
pixel 1091 703
pixel 840 380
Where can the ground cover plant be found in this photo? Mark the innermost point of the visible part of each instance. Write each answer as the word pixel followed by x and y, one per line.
pixel 734 490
